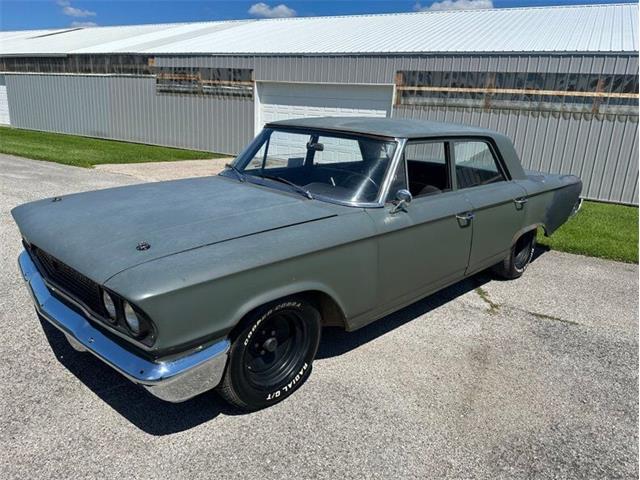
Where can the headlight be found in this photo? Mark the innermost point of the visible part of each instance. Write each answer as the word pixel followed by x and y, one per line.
pixel 130 316
pixel 109 305
pixel 127 319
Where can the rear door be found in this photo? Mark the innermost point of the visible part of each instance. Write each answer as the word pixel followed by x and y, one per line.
pixel 498 203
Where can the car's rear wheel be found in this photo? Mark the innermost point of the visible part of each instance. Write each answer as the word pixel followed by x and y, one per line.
pixel 519 257
pixel 271 356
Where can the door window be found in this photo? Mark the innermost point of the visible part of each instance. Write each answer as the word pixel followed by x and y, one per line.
pixel 476 164
pixel 427 168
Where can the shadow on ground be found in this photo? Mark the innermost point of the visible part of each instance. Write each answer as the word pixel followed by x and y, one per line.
pixel 336 340
pixel 157 417
pixel 145 411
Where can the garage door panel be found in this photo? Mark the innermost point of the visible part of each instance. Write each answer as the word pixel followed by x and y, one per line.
pixel 282 101
pixel 309 91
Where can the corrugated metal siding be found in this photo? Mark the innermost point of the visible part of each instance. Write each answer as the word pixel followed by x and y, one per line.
pixel 603 150
pixel 127 108
pixel 382 69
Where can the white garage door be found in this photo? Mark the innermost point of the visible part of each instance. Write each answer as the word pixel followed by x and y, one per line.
pixel 4 103
pixel 279 101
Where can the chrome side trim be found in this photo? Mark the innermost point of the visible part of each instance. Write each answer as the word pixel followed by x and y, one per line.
pixel 383 195
pixel 174 380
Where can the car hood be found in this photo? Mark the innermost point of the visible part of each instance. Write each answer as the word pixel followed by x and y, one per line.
pixel 98 233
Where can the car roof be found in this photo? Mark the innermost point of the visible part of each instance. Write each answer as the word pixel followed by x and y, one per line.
pixel 383 127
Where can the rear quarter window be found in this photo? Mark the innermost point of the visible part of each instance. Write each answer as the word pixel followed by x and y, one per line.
pixel 476 164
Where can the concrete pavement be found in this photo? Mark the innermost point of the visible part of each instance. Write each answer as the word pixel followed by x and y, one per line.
pixel 533 378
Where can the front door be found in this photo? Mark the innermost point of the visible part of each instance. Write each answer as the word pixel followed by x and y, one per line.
pixel 425 246
pixel 497 202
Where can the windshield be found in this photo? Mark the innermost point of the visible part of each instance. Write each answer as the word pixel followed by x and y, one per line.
pixel 344 168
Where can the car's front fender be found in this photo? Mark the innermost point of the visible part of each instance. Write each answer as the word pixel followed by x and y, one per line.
pixel 205 292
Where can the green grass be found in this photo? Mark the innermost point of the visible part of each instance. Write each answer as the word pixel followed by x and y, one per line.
pixel 599 230
pixel 86 152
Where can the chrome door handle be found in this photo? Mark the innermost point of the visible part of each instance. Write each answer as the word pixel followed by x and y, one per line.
pixel 464 219
pixel 520 201
pixel 465 216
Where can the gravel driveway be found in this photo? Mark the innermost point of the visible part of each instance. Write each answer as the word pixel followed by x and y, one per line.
pixel 534 378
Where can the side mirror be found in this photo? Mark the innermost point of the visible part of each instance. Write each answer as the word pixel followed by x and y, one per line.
pixel 403 198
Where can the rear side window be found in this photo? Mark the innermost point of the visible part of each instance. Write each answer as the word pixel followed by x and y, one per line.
pixel 476 164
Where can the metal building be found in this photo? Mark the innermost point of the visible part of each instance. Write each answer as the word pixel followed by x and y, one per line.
pixel 561 81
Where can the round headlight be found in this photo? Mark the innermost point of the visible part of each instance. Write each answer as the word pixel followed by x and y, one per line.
pixel 131 318
pixel 109 305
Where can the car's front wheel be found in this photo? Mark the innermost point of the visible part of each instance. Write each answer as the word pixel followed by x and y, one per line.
pixel 271 356
pixel 519 257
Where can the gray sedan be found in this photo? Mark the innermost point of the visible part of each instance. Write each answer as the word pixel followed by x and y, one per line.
pixel 227 281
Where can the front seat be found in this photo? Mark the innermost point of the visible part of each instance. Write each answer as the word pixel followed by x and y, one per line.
pixel 428 190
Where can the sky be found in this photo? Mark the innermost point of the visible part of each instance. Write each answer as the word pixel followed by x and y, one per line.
pixel 33 14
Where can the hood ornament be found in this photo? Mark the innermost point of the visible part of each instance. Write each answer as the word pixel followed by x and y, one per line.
pixel 142 246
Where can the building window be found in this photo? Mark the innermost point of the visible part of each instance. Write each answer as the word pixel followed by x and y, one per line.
pixel 80 64
pixel 592 93
pixel 219 82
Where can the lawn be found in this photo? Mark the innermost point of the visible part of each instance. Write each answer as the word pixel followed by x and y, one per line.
pixel 599 230
pixel 86 152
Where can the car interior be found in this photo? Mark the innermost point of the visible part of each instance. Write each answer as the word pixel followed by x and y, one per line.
pixel 475 164
pixel 467 176
pixel 342 178
pixel 427 168
pixel 427 178
pixel 334 176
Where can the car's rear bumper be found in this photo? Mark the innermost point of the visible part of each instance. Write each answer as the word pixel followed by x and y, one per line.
pixel 173 380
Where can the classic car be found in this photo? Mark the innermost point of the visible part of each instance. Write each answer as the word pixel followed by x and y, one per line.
pixel 226 281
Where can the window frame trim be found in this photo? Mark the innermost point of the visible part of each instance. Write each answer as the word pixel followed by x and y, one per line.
pixel 497 158
pixel 447 159
pixel 383 193
pixel 449 140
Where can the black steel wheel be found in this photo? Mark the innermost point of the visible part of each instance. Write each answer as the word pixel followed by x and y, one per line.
pixel 522 252
pixel 519 257
pixel 271 356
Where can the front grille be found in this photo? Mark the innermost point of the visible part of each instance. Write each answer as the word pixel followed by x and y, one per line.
pixel 70 281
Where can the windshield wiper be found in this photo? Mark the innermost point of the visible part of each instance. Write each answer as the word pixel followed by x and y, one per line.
pixel 296 187
pixel 235 170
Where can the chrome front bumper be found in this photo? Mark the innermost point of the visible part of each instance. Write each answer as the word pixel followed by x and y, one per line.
pixel 175 380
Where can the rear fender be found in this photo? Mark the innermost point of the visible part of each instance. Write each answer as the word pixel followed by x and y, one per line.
pixel 552 199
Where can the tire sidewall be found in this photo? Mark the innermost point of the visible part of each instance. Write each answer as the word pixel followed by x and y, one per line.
pixel 257 398
pixel 531 245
